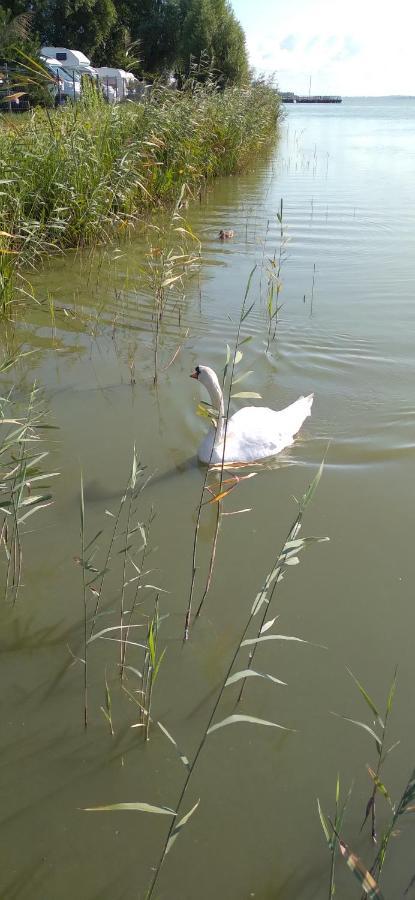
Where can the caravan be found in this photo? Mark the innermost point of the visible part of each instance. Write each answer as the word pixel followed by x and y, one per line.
pixel 67 84
pixel 74 64
pixel 122 82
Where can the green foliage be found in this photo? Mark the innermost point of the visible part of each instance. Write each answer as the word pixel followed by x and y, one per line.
pixel 210 29
pixel 14 30
pixel 197 32
pixel 229 48
pixel 16 39
pixel 171 33
pixel 81 24
pixel 72 175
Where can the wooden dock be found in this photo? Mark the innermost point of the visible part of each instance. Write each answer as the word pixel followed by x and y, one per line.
pixel 314 98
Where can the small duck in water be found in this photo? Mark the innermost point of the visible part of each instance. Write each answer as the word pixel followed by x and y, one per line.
pixel 226 235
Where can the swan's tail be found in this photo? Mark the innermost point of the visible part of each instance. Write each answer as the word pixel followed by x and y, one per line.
pixel 309 401
pixel 295 414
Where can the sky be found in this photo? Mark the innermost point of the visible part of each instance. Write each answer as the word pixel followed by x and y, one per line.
pixel 347 47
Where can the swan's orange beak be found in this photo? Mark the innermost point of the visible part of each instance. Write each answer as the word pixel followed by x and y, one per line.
pixel 194 375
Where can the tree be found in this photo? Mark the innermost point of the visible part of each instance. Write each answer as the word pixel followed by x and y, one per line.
pixel 229 47
pixel 156 24
pixel 197 32
pixel 210 28
pixel 18 47
pixel 170 32
pixel 81 24
pixel 14 29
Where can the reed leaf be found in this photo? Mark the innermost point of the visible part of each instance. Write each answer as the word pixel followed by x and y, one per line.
pixel 274 637
pixel 132 807
pixel 249 673
pixel 177 828
pixel 367 698
pixel 183 758
pixel 361 725
pixel 251 395
pixel 360 872
pixel 236 718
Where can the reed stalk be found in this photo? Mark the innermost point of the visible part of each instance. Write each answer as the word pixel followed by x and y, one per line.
pixel 274 283
pixel 227 680
pixel 20 475
pixel 331 833
pixel 232 362
pixel 133 581
pixel 287 557
pixel 84 603
pixel 369 877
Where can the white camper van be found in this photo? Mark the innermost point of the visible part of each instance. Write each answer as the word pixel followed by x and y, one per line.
pixel 75 64
pixel 119 80
pixel 67 84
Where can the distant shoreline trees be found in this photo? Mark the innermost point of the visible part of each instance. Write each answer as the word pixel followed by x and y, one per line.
pixel 166 34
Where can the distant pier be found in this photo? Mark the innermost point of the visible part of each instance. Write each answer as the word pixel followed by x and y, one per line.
pixel 316 98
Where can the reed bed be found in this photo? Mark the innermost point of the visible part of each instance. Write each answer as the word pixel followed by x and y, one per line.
pixel 70 177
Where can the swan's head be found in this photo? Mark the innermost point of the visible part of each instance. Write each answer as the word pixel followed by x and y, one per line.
pixel 206 376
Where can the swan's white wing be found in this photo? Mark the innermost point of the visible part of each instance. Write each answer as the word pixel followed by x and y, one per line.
pixel 255 432
pixel 256 420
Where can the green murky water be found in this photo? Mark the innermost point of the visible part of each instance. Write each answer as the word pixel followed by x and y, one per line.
pixel 346 176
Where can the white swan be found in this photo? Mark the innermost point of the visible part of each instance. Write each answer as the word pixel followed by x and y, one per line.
pixel 254 432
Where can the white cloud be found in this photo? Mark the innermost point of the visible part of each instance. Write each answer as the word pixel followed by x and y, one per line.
pixel 358 48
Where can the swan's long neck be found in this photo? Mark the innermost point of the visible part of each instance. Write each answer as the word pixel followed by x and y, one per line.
pixel 216 396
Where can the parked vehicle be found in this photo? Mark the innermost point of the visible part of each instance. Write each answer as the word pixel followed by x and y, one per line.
pixel 67 84
pixel 75 64
pixel 121 82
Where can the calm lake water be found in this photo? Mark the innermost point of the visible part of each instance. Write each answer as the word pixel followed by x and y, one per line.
pixel 346 175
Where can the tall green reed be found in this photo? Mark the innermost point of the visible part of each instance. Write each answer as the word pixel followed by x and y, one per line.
pixel 168 265
pixel 120 565
pixel 228 679
pixel 274 282
pixel 216 490
pixel 24 488
pixel 76 175
pixel 369 876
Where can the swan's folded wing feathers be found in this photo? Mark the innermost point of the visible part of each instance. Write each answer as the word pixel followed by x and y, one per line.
pixel 269 426
pixel 257 432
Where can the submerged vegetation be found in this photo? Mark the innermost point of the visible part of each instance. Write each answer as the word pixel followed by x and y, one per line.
pixel 76 176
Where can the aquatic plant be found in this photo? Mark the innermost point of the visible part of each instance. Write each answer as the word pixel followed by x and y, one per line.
pixel 75 175
pixel 216 490
pixel 125 558
pixel 229 678
pixel 274 283
pixel 168 264
pixel 24 488
pixel 369 876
